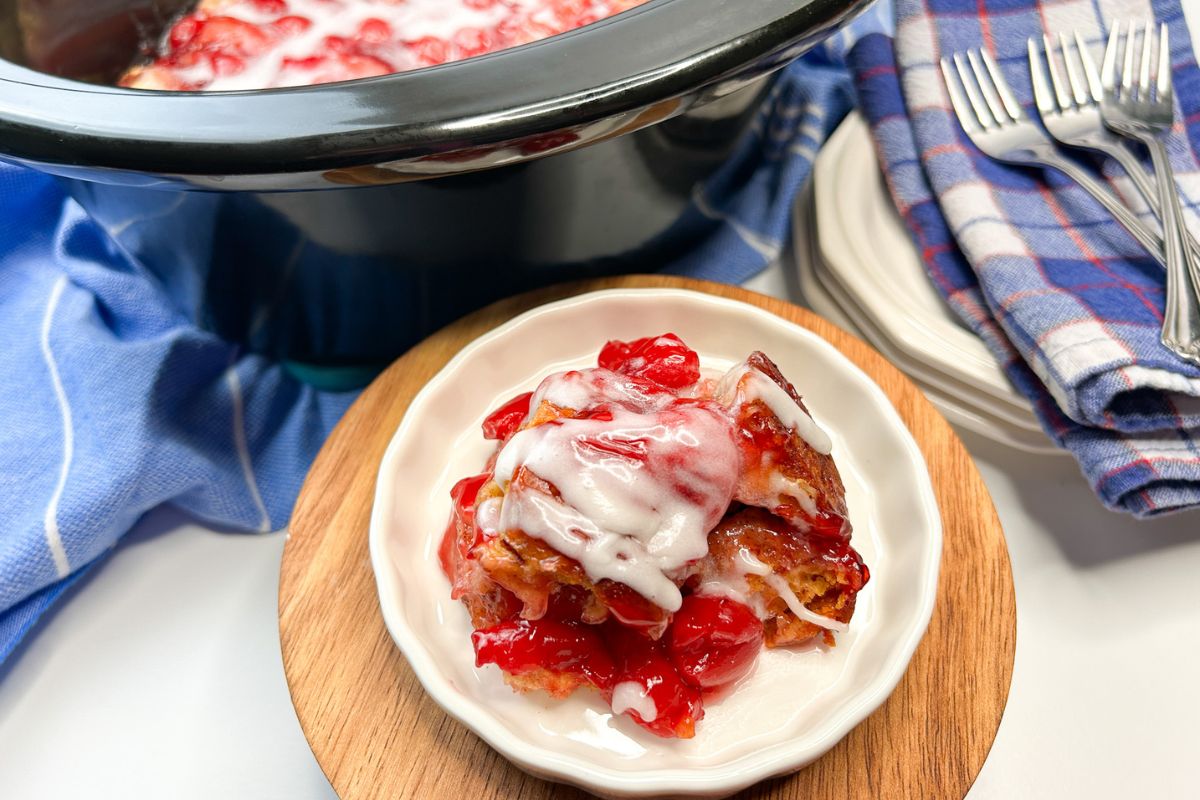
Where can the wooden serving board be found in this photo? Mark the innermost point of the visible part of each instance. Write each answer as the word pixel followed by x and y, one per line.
pixel 376 734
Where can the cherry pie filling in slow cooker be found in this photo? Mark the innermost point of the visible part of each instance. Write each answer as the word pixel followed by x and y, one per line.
pixel 261 44
pixel 643 529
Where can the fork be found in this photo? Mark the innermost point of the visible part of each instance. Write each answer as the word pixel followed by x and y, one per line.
pixel 997 125
pixel 1144 112
pixel 1074 119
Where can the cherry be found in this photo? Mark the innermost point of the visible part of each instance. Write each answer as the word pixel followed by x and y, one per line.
pixel 522 645
pixel 230 35
pixel 664 360
pixel 713 641
pixel 472 42
pixel 461 534
pixel 569 10
pixel 630 608
pixel 828 524
pixel 306 64
pixel 678 706
pixel 335 67
pixel 182 32
pixel 429 50
pixel 336 44
pixel 292 25
pixel 374 31
pixel 224 64
pixel 504 421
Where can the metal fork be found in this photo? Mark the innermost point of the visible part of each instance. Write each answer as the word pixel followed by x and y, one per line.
pixel 1144 111
pixel 1074 118
pixel 995 122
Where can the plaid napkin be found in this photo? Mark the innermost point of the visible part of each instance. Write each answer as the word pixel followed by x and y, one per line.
pixel 117 401
pixel 1065 298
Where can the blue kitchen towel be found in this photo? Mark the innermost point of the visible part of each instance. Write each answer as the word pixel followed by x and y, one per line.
pixel 1068 302
pixel 114 402
pixel 117 401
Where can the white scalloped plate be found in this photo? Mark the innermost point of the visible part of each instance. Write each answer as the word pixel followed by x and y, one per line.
pixel 797 703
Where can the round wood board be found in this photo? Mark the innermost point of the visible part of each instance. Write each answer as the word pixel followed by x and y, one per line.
pixel 376 733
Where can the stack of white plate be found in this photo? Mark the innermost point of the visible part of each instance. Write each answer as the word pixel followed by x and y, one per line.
pixel 858 268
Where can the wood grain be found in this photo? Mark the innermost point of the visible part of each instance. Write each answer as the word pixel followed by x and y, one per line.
pixel 376 733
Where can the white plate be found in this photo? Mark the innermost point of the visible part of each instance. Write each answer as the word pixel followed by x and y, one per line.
pixel 885 274
pixel 796 704
pixel 820 298
pixel 920 371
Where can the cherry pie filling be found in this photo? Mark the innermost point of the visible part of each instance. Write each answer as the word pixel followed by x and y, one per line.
pixel 642 529
pixel 259 44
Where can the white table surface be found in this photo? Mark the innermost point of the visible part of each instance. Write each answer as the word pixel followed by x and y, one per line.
pixel 160 676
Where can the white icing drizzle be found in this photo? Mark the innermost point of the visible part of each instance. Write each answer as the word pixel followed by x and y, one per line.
pixel 639 493
pixel 631 696
pixel 725 588
pixel 758 386
pixel 487 516
pixel 783 486
pixel 746 384
pixel 582 388
pixel 748 564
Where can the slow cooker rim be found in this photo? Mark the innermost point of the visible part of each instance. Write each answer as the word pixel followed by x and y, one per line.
pixel 666 53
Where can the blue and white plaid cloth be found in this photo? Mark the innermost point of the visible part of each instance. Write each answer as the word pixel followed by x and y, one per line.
pixel 116 401
pixel 1065 298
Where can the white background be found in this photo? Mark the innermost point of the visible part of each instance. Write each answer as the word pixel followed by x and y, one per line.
pixel 160 674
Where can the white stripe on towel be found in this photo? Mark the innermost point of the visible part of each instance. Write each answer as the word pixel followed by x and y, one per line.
pixel 243 449
pixel 53 535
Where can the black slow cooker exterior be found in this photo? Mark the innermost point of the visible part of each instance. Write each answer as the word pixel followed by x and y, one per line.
pixel 626 72
pixel 442 188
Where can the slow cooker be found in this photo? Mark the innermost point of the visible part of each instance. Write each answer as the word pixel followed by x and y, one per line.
pixel 335 224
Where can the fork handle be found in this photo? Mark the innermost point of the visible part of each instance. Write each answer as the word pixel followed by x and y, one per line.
pixel 1145 184
pixel 1146 237
pixel 1181 323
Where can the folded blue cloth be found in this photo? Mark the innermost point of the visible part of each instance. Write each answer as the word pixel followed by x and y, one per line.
pixel 117 400
pixel 114 403
pixel 1068 302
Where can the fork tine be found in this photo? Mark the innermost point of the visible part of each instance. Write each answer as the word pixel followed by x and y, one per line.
pixel 1127 72
pixel 1089 69
pixel 1060 90
pixel 1006 96
pixel 1144 72
pixel 1108 72
pixel 1164 66
pixel 1073 76
pixel 962 110
pixel 986 120
pixel 987 88
pixel 1041 86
